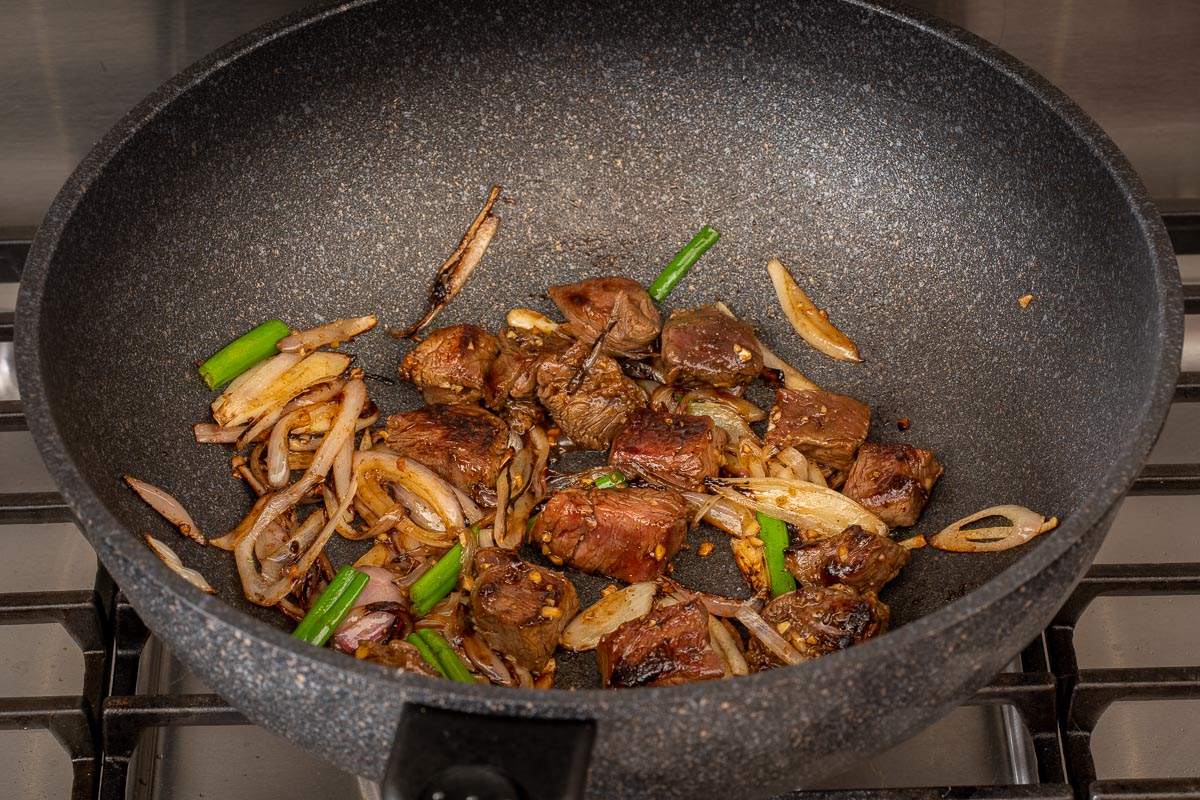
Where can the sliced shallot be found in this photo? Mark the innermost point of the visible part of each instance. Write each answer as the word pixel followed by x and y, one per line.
pixel 175 565
pixel 169 507
pixel 459 266
pixel 607 614
pixel 1025 525
pixel 242 403
pixel 212 433
pixel 760 629
pixel 722 642
pixel 334 333
pixel 810 322
pixel 799 503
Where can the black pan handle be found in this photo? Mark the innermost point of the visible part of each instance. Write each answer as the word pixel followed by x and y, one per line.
pixel 440 754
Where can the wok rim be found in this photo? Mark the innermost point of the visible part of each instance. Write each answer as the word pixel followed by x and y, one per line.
pixel 102 528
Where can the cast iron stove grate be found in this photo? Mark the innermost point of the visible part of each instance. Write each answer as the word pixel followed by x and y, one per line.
pixel 1058 703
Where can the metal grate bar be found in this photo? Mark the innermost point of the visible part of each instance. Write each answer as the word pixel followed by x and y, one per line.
pixel 1187 389
pixel 124 719
pixel 12 416
pixel 1147 789
pixel 1184 229
pixel 12 259
pixel 1191 299
pixel 70 722
pixel 79 613
pixel 1160 479
pixel 6 326
pixel 1026 792
pixel 32 508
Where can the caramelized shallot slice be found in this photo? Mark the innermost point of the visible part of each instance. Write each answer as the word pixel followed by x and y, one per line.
pixel 175 565
pixel 810 322
pixel 799 503
pixel 273 383
pixel 169 507
pixel 727 649
pixel 212 433
pixel 332 333
pixel 458 267
pixel 1025 525
pixel 606 615
pixel 760 629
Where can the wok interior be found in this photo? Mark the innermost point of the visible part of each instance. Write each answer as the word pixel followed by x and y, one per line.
pixel 916 193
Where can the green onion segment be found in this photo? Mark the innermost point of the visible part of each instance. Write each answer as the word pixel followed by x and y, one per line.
pixel 774 534
pixel 682 262
pixel 332 606
pixel 445 659
pixel 242 353
pixel 612 480
pixel 437 583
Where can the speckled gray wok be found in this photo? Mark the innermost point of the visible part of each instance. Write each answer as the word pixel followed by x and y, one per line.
pixel 918 180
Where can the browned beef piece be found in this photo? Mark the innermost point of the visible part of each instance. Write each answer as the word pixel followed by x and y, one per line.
pixel 452 364
pixel 589 404
pixel 397 654
pixel 702 346
pixel 513 375
pixel 855 557
pixel 668 646
pixel 826 427
pixel 463 443
pixel 892 481
pixel 817 620
pixel 677 449
pixel 628 534
pixel 588 307
pixel 520 609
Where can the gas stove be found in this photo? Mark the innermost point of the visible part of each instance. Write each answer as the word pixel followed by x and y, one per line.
pixel 1104 704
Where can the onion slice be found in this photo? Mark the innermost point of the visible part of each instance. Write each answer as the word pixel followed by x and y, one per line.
pixel 274 387
pixel 173 563
pixel 810 322
pixel 458 267
pixel 760 629
pixel 332 333
pixel 1025 525
pixel 169 507
pixel 606 615
pixel 722 641
pixel 799 503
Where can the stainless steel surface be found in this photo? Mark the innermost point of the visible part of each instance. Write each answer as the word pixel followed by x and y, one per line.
pixel 68 70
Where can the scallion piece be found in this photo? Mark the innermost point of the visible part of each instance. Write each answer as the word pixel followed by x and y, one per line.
pixel 774 534
pixel 242 353
pixel 426 653
pixel 448 662
pixel 332 606
pixel 612 480
pixel 437 583
pixel 682 262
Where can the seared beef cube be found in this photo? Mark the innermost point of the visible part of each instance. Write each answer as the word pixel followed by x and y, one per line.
pixel 452 364
pixel 462 443
pixel 589 307
pixel 628 534
pixel 513 375
pixel 702 347
pixel 677 449
pixel 892 481
pixel 397 654
pixel 855 557
pixel 826 427
pixel 668 646
pixel 520 609
pixel 589 403
pixel 820 620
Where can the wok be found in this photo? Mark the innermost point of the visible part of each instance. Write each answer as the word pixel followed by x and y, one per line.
pixel 919 180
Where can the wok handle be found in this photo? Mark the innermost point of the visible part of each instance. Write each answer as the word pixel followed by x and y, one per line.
pixel 452 755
